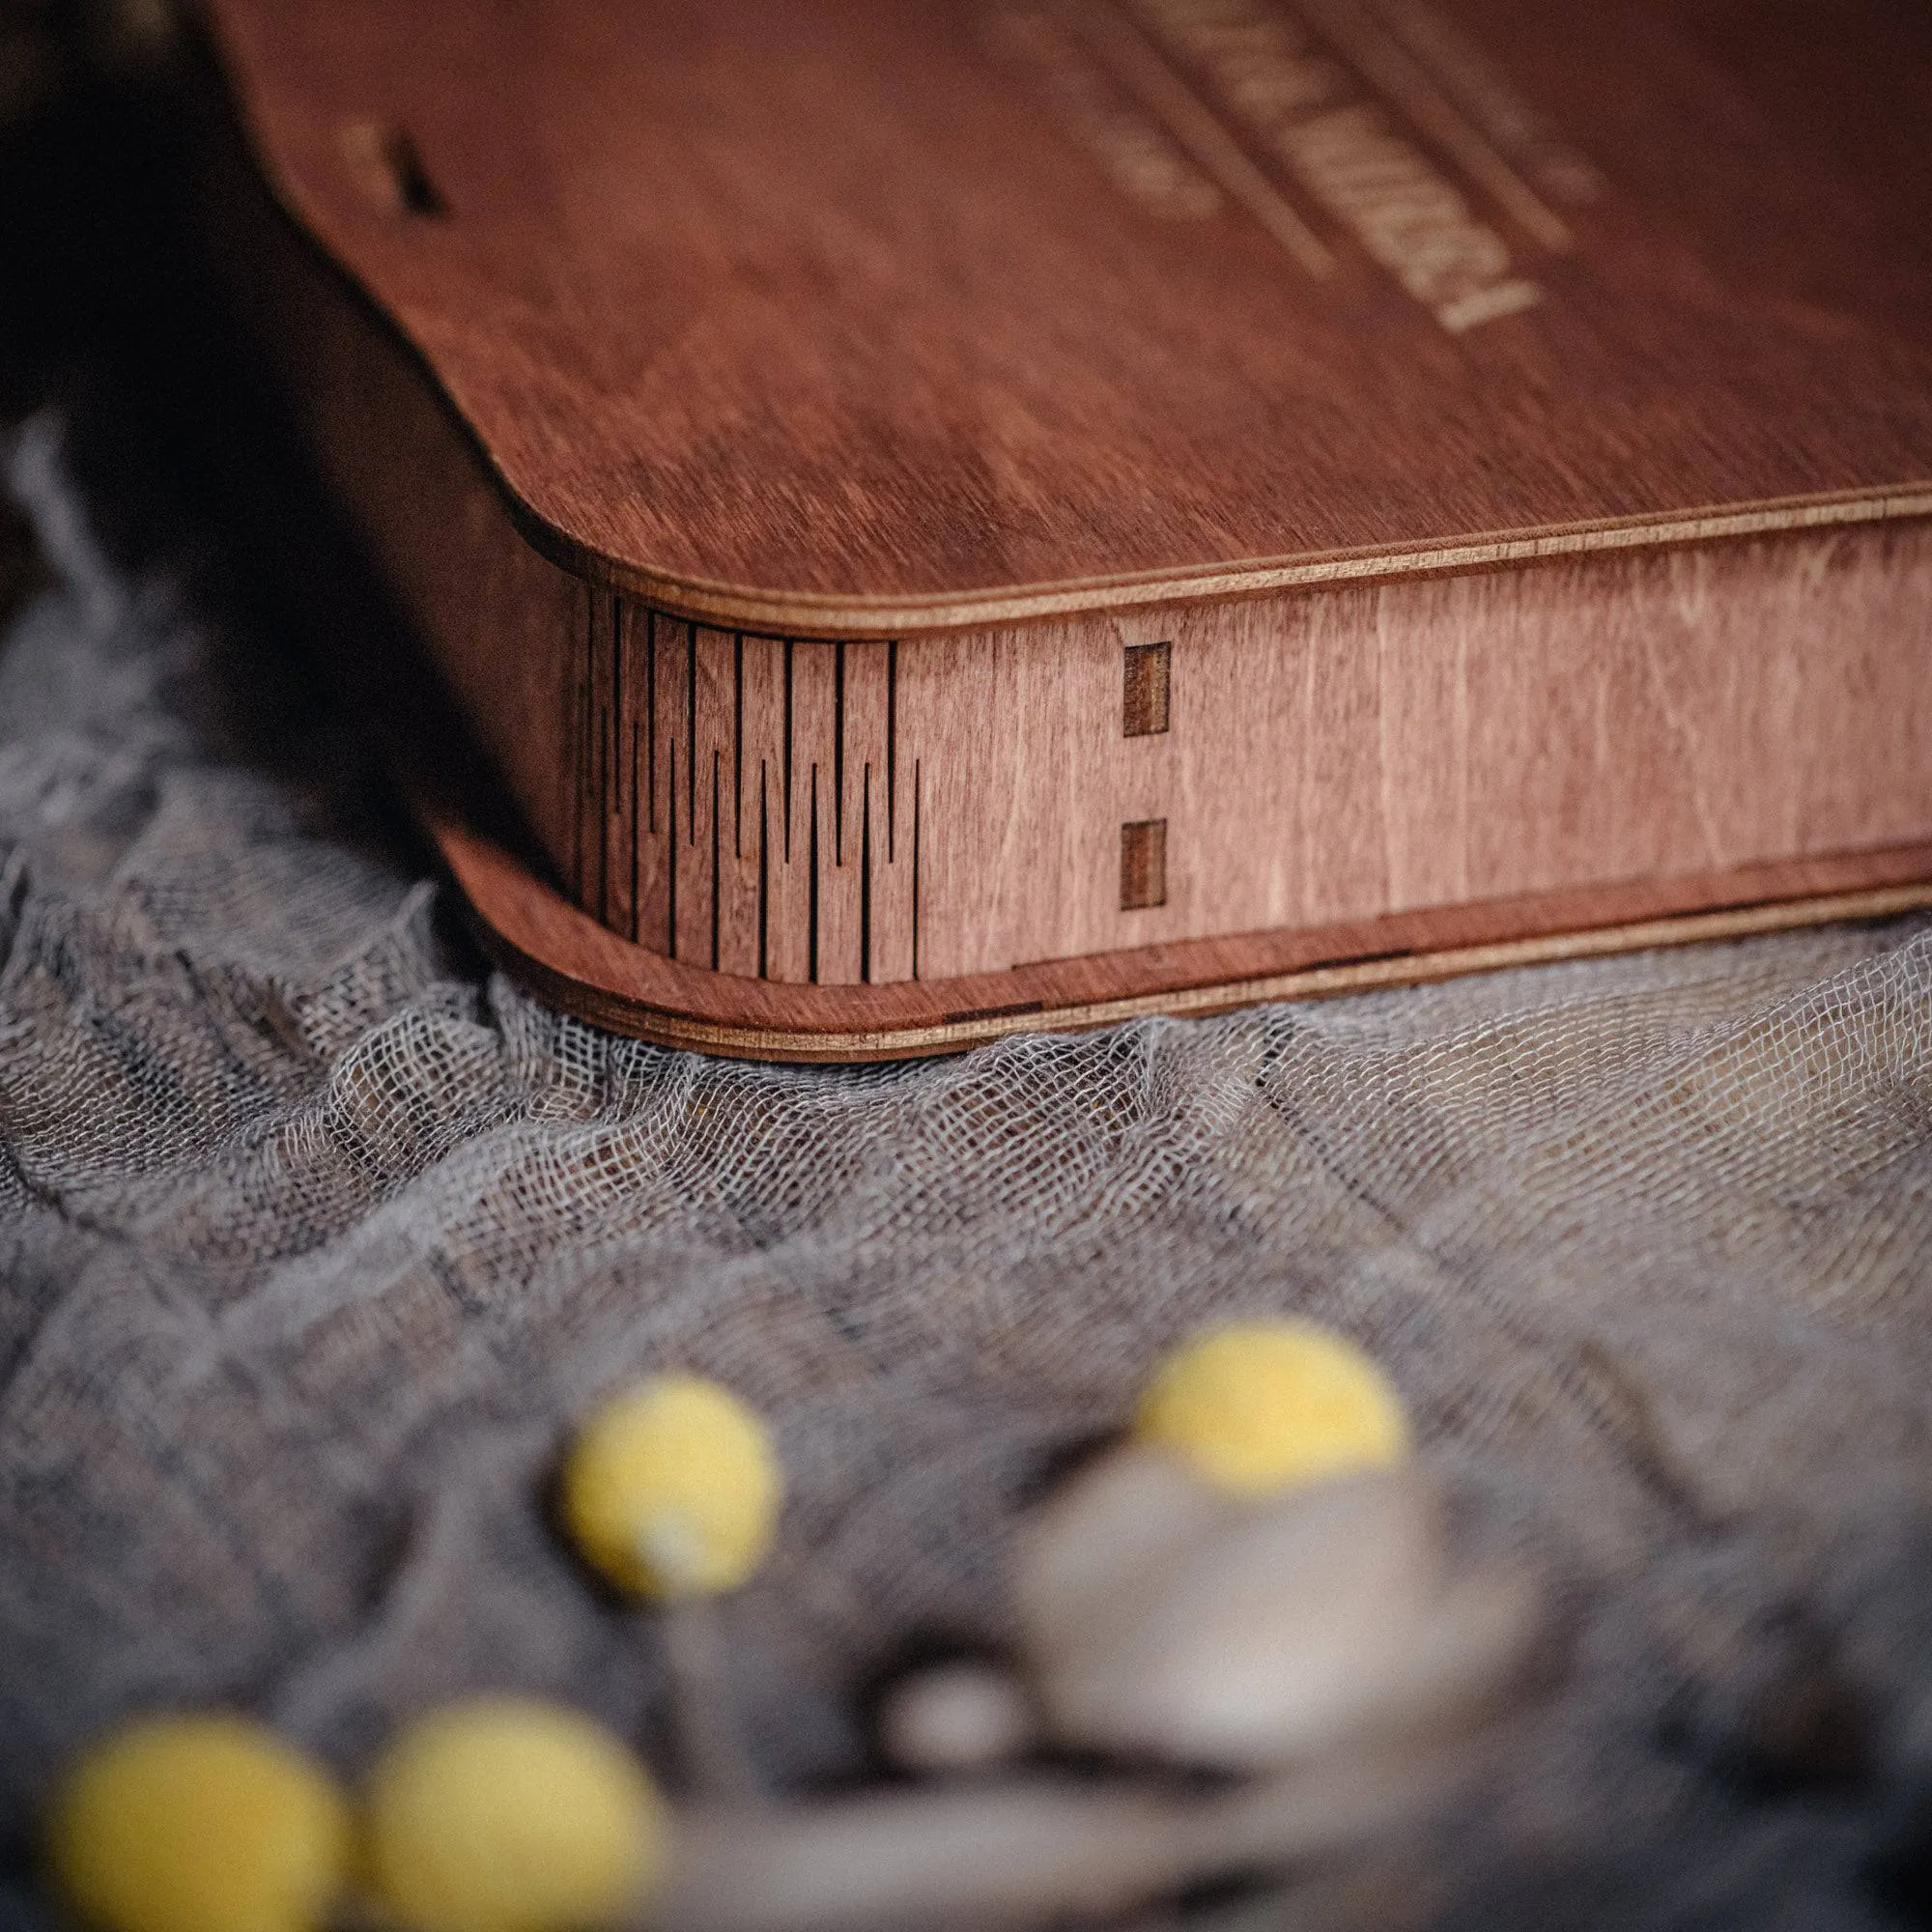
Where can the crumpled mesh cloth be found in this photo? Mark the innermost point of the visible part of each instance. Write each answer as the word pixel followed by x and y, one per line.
pixel 314 1236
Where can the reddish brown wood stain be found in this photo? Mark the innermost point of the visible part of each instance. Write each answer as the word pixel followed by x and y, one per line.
pixel 824 310
pixel 851 551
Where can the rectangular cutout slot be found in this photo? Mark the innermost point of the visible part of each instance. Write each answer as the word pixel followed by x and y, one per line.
pixel 390 172
pixel 1142 865
pixel 1143 700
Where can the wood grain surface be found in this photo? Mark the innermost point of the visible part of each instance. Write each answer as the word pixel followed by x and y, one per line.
pixel 863 812
pixel 773 842
pixel 1341 754
pixel 851 318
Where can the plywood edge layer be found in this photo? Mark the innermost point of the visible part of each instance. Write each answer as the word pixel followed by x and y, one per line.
pixel 822 615
pixel 572 962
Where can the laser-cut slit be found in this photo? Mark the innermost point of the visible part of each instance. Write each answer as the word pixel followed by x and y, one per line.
pixel 690 728
pixel 764 875
pixel 579 727
pixel 620 798
pixel 388 171
pixel 671 851
pixel 838 755
pixel 651 712
pixel 617 664
pixel 1144 689
pixel 602 712
pixel 865 881
pixel 812 891
pixel 1144 864
pixel 787 753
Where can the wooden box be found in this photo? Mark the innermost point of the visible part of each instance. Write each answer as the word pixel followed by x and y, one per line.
pixel 955 516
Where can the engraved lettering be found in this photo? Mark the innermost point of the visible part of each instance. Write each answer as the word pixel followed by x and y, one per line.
pixel 1135 152
pixel 1484 304
pixel 1264 66
pixel 1410 218
pixel 1467 73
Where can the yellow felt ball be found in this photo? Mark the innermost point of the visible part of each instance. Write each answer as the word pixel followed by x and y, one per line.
pixel 198 1824
pixel 673 1489
pixel 1266 1407
pixel 507 1814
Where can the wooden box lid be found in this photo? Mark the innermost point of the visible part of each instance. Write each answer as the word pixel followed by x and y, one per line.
pixel 852 317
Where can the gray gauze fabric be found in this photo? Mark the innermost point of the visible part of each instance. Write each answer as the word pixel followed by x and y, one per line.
pixel 314 1237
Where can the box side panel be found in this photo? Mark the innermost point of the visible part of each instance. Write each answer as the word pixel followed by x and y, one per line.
pixel 1345 754
pixel 510 632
